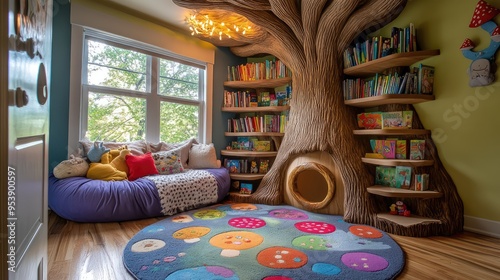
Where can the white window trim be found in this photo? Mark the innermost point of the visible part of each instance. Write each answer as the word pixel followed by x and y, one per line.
pixel 108 21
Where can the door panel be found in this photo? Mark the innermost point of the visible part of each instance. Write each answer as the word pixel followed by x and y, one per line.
pixel 30 45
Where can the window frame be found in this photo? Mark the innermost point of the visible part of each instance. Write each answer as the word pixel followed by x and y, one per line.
pixel 78 121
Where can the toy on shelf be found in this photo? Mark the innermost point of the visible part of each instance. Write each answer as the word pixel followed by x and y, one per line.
pixel 399 208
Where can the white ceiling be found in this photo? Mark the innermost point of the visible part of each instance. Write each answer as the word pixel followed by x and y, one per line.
pixel 164 12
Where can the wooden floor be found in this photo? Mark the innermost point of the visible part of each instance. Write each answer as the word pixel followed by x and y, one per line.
pixel 94 251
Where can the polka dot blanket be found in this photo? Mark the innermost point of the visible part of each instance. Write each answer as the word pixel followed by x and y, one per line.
pixel 254 241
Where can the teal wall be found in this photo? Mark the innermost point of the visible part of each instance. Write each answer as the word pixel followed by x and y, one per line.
pixel 59 91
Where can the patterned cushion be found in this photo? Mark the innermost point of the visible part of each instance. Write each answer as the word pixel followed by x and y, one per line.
pixel 202 156
pixel 168 162
pixel 183 147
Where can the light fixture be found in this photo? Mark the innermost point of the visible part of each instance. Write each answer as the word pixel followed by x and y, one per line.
pixel 221 24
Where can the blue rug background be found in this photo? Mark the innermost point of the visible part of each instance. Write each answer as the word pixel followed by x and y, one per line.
pixel 331 248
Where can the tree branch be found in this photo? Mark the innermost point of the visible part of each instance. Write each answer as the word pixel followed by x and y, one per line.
pixel 288 12
pixel 311 11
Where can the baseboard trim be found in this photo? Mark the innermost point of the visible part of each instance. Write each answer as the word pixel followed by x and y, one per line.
pixel 482 226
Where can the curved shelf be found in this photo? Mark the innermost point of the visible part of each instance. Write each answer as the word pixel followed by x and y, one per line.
pixel 398 59
pixel 398 162
pixel 253 134
pixel 244 153
pixel 256 109
pixel 244 176
pixel 395 192
pixel 407 221
pixel 237 194
pixel 267 83
pixel 392 131
pixel 389 99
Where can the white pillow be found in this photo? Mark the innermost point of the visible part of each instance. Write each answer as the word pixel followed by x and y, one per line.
pixel 202 156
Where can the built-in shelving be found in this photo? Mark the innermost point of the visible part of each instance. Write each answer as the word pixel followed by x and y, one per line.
pixel 398 162
pixel 246 176
pixel 267 83
pixel 245 153
pixel 385 99
pixel 392 131
pixel 256 109
pixel 386 62
pixel 402 193
pixel 254 134
pixel 407 221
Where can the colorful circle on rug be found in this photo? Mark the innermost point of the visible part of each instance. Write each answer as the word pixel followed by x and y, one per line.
pixel 326 269
pixel 209 214
pixel 281 258
pixel 364 261
pixel 315 227
pixel 147 245
pixel 236 240
pixel 246 222
pixel 365 231
pixel 182 219
pixel 243 206
pixel 154 228
pixel 277 277
pixel 191 234
pixel 288 214
pixel 204 272
pixel 311 242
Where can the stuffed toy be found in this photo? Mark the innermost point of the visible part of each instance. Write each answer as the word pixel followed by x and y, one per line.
pixel 96 151
pixel 119 162
pixel 103 170
pixel 72 167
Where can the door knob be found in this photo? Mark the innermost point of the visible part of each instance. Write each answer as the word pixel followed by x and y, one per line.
pixel 18 97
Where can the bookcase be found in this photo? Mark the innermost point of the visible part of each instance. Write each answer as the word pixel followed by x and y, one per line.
pixel 247 156
pixel 383 195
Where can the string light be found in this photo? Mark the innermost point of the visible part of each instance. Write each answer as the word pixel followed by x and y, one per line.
pixel 220 24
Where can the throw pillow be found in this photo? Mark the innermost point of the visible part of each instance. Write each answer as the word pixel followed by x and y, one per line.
pixel 72 167
pixel 202 156
pixel 140 166
pixel 168 162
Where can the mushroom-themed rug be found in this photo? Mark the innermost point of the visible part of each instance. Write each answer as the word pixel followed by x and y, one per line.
pixel 255 241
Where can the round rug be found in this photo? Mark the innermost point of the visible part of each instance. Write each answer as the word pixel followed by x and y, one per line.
pixel 254 241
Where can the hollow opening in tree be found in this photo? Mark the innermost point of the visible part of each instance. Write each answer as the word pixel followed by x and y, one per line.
pixel 312 185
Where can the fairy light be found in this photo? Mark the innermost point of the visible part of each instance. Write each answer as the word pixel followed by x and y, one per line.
pixel 204 24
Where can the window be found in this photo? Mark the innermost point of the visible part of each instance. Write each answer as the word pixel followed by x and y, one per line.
pixel 132 91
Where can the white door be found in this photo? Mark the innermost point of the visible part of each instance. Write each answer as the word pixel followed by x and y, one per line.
pixel 29 43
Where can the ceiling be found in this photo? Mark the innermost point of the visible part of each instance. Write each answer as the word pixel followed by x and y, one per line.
pixel 162 12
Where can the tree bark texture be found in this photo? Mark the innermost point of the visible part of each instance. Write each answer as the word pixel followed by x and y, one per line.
pixel 310 36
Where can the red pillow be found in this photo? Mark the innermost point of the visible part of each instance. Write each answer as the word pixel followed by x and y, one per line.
pixel 140 166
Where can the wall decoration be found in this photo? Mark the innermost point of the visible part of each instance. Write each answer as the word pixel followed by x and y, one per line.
pixel 482 69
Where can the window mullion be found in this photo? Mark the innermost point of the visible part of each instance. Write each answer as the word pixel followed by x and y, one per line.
pixel 153 102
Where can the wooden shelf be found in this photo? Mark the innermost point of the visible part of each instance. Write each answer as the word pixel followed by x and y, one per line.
pixel 395 192
pixel 245 176
pixel 394 60
pixel 237 194
pixel 407 221
pixel 268 83
pixel 256 109
pixel 392 131
pixel 253 134
pixel 398 162
pixel 389 99
pixel 244 153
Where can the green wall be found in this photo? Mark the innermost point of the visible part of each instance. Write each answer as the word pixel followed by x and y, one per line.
pixel 464 120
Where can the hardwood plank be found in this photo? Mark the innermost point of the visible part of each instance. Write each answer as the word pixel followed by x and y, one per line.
pixel 94 251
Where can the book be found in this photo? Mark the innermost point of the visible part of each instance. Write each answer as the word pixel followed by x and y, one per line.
pixel 385 176
pixel 263 166
pixel 243 143
pixel 265 99
pixel 417 149
pixel 392 119
pixel 386 148
pixel 246 188
pixel 403 177
pixel 370 120
pixel 262 146
pixel 407 119
pixel 421 182
pixel 233 166
pixel 425 79
pixel 401 149
pixel 235 185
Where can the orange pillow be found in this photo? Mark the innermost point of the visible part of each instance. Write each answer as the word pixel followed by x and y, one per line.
pixel 140 166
